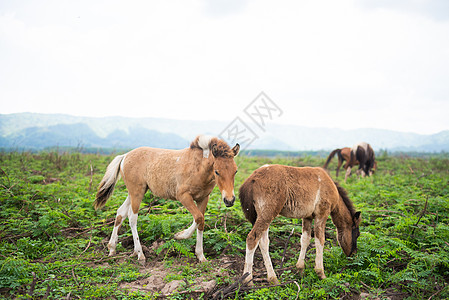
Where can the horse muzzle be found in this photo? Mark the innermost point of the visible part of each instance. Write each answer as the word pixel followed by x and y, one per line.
pixel 229 202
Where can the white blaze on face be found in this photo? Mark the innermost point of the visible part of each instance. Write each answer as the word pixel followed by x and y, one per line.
pixel 225 195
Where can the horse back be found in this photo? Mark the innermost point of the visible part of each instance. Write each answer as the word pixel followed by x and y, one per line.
pixel 289 191
pixel 311 193
pixel 167 172
pixel 154 168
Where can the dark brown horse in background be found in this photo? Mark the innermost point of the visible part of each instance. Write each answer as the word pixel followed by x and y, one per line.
pixel 303 193
pixel 352 156
pixel 364 154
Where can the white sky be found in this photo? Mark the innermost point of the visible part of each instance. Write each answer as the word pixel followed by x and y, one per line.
pixel 345 64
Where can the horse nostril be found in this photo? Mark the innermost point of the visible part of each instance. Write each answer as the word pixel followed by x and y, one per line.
pixel 229 202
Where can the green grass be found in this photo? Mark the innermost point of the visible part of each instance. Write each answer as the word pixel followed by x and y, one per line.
pixel 53 243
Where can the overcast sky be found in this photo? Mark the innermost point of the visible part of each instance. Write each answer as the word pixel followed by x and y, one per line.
pixel 343 64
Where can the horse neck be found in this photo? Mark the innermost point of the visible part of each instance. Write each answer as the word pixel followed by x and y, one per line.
pixel 341 216
pixel 206 165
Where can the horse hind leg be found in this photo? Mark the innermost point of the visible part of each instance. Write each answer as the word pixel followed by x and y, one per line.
pixel 305 241
pixel 252 242
pixel 264 246
pixel 135 200
pixel 338 168
pixel 319 245
pixel 122 212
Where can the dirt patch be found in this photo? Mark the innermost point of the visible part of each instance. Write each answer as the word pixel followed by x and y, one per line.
pixel 164 276
pixel 185 276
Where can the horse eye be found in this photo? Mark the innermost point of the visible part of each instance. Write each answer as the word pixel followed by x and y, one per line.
pixel 236 171
pixel 216 172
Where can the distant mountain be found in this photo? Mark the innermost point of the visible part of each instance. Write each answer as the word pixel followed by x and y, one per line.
pixel 37 131
pixel 33 131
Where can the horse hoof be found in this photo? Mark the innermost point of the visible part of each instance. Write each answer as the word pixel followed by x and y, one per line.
pixel 320 273
pixel 300 265
pixel 248 280
pixel 273 281
pixel 180 236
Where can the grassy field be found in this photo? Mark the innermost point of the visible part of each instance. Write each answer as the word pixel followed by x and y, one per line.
pixel 53 243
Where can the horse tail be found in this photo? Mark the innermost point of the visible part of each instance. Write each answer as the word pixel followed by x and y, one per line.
pixel 344 196
pixel 329 158
pixel 246 195
pixel 108 182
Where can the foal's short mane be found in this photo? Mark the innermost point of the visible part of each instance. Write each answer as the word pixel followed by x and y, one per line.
pixel 346 199
pixel 221 148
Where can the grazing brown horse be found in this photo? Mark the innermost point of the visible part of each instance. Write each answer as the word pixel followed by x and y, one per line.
pixel 307 193
pixel 359 152
pixel 344 154
pixel 187 175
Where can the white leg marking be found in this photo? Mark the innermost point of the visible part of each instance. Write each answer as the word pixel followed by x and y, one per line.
pixel 249 258
pixel 319 267
pixel 348 172
pixel 199 246
pixel 264 248
pixel 187 233
pixel 319 254
pixel 224 194
pixel 305 241
pixel 137 246
pixel 122 212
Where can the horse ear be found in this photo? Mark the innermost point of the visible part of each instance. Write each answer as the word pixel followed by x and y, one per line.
pixel 357 218
pixel 214 150
pixel 236 149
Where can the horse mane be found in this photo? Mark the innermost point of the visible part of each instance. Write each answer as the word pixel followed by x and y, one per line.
pixel 218 147
pixel 346 200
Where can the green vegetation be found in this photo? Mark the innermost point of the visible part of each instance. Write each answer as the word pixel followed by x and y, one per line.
pixel 53 243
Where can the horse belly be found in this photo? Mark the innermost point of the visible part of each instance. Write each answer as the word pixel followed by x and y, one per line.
pixel 297 210
pixel 162 184
pixel 166 191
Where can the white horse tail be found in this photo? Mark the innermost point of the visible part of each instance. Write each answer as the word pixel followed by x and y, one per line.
pixel 108 182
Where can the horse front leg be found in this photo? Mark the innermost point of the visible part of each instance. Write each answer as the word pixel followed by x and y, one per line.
pixel 199 232
pixel 198 223
pixel 348 172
